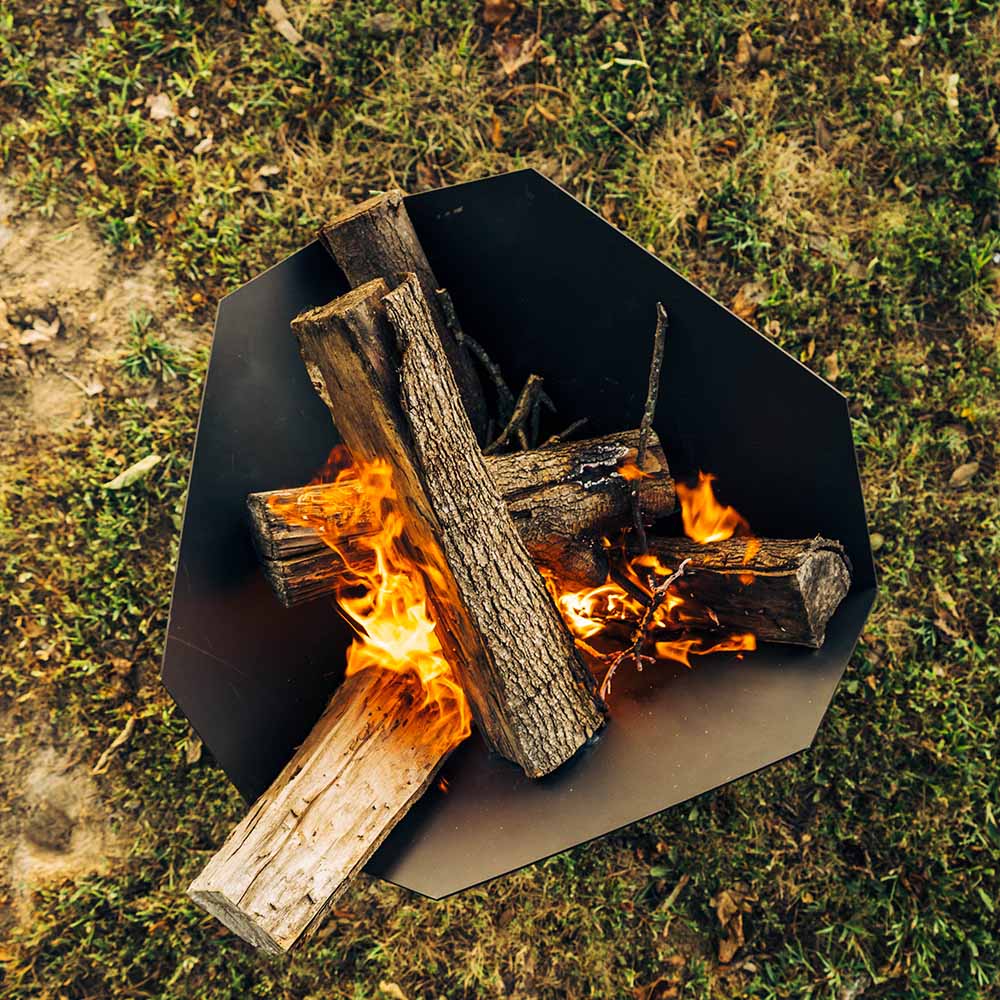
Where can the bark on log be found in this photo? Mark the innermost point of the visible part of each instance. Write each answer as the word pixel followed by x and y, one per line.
pixel 376 239
pixel 534 700
pixel 562 500
pixel 366 761
pixel 780 589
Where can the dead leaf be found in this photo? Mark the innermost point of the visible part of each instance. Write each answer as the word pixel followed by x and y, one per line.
pixel 730 905
pixel 517 51
pixel 963 474
pixel 204 146
pixel 427 176
pixel 160 107
pixel 121 666
pixel 391 990
pixel 748 298
pixel 383 25
pixel 664 988
pixel 104 761
pixel 269 170
pixel 910 41
pixel 765 56
pixel 824 137
pixel 496 133
pixel 192 748
pixel 744 49
pixel 133 473
pixel 831 367
pixel 498 12
pixel 34 339
pixel 951 91
pixel 275 10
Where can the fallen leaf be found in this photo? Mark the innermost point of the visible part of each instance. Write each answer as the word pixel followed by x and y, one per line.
pixel 204 146
pixel 120 665
pixel 730 906
pixel 744 49
pixel 496 133
pixel 765 56
pixel 498 12
pixel 664 988
pixel 269 170
pixel 383 25
pixel 963 473
pixel 192 748
pixel 160 107
pixel 831 367
pixel 34 339
pixel 517 51
pixel 133 473
pixel 824 138
pixel 951 91
pixel 877 541
pixel 748 298
pixel 391 990
pixel 910 41
pixel 275 10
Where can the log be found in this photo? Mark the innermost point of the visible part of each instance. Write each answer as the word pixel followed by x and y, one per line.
pixel 562 500
pixel 782 590
pixel 363 765
pixel 376 239
pixel 376 360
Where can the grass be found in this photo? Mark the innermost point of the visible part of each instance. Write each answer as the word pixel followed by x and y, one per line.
pixel 848 171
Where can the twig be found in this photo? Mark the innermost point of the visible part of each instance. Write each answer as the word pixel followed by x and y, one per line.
pixel 562 435
pixel 646 425
pixel 104 761
pixel 639 636
pixel 505 398
pixel 607 121
pixel 522 412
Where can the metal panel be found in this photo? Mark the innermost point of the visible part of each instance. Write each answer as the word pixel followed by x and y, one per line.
pixel 546 286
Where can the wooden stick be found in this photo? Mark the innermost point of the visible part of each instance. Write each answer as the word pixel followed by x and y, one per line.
pixel 782 590
pixel 376 239
pixel 367 760
pixel 375 358
pixel 534 698
pixel 562 499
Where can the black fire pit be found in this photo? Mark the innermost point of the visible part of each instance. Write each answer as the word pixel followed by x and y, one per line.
pixel 547 286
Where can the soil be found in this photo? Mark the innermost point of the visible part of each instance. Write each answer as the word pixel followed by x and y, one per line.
pixel 65 308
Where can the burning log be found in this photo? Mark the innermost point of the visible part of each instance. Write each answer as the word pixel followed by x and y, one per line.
pixel 369 758
pixel 376 239
pixel 562 499
pixel 375 358
pixel 779 589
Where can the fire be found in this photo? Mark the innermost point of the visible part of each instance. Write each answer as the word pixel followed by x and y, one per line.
pixel 383 595
pixel 705 519
pixel 611 613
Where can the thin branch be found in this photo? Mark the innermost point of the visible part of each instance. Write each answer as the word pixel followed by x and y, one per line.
pixel 564 434
pixel 505 398
pixel 646 425
pixel 642 628
pixel 522 413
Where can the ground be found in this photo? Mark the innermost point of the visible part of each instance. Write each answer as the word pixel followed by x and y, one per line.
pixel 828 170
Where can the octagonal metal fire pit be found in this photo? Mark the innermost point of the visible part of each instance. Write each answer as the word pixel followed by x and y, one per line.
pixel 548 286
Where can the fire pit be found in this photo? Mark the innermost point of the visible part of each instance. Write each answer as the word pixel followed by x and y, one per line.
pixel 546 286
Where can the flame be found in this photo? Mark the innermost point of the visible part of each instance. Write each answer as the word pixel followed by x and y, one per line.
pixel 612 611
pixel 705 519
pixel 382 592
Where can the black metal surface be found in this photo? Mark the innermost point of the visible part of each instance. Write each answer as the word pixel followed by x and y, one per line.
pixel 546 286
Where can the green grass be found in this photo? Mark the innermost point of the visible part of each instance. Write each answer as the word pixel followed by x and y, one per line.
pixel 854 177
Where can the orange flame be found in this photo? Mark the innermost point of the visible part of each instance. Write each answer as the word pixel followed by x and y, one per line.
pixel 705 519
pixel 609 611
pixel 382 593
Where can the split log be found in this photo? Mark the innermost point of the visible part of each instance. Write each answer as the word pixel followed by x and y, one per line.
pixel 375 358
pixel 366 761
pixel 782 590
pixel 376 239
pixel 562 500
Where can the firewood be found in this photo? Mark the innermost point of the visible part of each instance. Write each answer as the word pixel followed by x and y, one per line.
pixel 376 360
pixel 376 239
pixel 782 590
pixel 562 499
pixel 366 761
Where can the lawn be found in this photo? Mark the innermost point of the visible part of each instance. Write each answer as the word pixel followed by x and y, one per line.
pixel 831 171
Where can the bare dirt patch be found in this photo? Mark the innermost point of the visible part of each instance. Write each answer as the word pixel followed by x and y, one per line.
pixel 66 304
